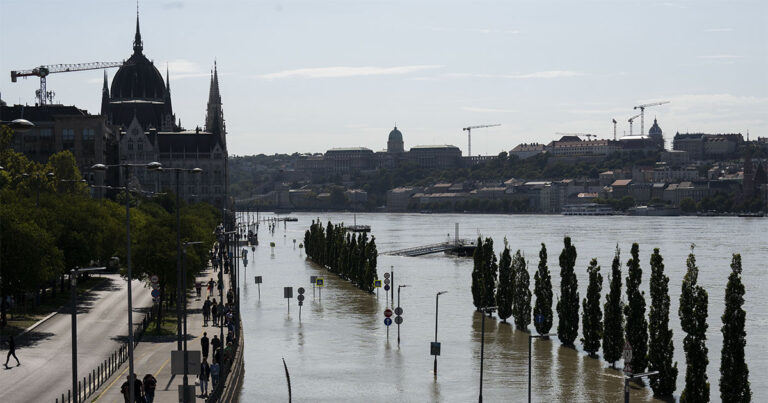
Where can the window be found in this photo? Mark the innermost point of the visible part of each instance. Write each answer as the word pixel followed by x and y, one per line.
pixel 46 140
pixel 89 141
pixel 130 145
pixel 140 145
pixel 68 139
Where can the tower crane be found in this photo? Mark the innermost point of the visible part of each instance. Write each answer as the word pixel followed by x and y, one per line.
pixel 642 113
pixel 469 135
pixel 44 96
pixel 630 122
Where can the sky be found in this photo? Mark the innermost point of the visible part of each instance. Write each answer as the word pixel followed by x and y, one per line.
pixel 306 76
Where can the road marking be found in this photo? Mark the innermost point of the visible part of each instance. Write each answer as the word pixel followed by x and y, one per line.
pixel 162 366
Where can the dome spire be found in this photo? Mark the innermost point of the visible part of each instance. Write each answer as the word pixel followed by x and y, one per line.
pixel 138 45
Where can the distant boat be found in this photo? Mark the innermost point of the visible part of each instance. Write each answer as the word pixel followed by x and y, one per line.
pixel 751 214
pixel 654 211
pixel 587 209
pixel 358 228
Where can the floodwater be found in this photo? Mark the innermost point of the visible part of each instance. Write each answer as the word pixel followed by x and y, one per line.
pixel 340 350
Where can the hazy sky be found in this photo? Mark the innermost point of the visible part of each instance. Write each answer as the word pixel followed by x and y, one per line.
pixel 315 74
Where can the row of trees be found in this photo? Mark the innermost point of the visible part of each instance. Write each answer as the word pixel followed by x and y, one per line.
pixel 505 283
pixel 351 256
pixel 50 224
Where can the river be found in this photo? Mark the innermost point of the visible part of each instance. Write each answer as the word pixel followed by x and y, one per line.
pixel 339 350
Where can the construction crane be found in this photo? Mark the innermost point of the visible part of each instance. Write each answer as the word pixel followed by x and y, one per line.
pixel 469 135
pixel 642 113
pixel 614 129
pixel 44 96
pixel 630 122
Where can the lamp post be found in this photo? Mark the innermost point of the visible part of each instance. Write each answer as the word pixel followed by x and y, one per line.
pixel 179 289
pixel 127 167
pixel 184 274
pixel 437 302
pixel 530 339
pixel 484 310
pixel 398 306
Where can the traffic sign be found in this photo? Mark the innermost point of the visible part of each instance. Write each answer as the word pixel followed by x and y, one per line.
pixel 539 318
pixel 376 283
pixel 398 319
pixel 627 368
pixel 386 287
pixel 287 292
pixel 313 279
pixel 301 290
pixel 386 275
pixel 155 293
pixel 626 355
pixel 300 298
pixel 387 321
pixel 154 278
pixel 155 286
pixel 320 282
pixel 434 348
pixel 398 311
pixel 257 279
pixel 386 281
pixel 387 312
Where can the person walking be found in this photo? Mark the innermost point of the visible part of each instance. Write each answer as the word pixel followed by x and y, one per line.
pixel 205 373
pixel 206 311
pixel 11 351
pixel 138 394
pixel 150 383
pixel 215 312
pixel 215 343
pixel 198 288
pixel 215 370
pixel 211 283
pixel 204 343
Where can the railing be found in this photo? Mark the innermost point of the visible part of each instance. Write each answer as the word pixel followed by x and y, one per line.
pixel 96 378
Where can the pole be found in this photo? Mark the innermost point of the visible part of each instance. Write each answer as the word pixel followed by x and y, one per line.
pixel 178 266
pixel 626 389
pixel 73 283
pixel 482 351
pixel 130 296
pixel 437 304
pixel 186 362
pixel 530 338
pixel 392 274
pixel 398 326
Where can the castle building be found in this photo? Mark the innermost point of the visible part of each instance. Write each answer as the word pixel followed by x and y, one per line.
pixel 139 103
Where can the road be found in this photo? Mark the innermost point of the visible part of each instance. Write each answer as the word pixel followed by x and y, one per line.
pixel 46 352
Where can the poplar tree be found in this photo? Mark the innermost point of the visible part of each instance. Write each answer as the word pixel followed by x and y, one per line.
pixel 522 296
pixel 542 311
pixel 568 304
pixel 489 274
pixel 592 315
pixel 613 336
pixel 637 325
pixel 661 349
pixel 477 275
pixel 505 293
pixel 693 319
pixel 734 374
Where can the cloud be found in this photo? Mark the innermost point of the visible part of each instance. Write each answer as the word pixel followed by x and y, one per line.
pixel 486 110
pixel 718 30
pixel 183 68
pixel 347 71
pixel 538 74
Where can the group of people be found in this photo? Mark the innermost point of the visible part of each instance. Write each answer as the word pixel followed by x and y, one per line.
pixel 143 390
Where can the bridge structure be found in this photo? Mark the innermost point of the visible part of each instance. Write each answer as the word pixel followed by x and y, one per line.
pixel 461 247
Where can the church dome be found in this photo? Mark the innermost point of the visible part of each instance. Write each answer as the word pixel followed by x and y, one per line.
pixel 395 135
pixel 655 129
pixel 138 79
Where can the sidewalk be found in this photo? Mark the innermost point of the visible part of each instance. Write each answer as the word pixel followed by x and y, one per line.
pixel 154 355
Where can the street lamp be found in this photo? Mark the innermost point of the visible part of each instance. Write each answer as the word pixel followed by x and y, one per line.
pixel 435 350
pixel 489 309
pixel 398 308
pixel 178 245
pixel 184 274
pixel 530 338
pixel 103 168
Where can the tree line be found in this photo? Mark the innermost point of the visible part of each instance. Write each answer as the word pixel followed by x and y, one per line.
pixel 504 283
pixel 50 224
pixel 352 257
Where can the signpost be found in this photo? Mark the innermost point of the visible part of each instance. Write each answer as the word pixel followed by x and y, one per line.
pixel 320 283
pixel 258 284
pixel 386 287
pixel 377 285
pixel 313 280
pixel 155 282
pixel 301 300
pixel 288 294
pixel 387 319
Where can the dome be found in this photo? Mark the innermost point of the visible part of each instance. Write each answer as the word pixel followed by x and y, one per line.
pixel 395 135
pixel 138 79
pixel 655 129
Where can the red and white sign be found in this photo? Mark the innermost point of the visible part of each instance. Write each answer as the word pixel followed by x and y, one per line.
pixel 387 312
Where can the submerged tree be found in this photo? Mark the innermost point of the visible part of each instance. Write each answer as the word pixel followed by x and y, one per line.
pixel 522 306
pixel 592 315
pixel 505 292
pixel 490 271
pixel 568 304
pixel 542 310
pixel 694 302
pixel 637 325
pixel 661 348
pixel 734 373
pixel 613 335
pixel 477 275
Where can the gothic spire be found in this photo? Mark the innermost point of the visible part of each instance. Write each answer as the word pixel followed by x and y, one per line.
pixel 167 80
pixel 138 45
pixel 105 88
pixel 214 96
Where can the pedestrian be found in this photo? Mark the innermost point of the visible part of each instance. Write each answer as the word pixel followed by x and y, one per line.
pixel 204 375
pixel 198 288
pixel 137 390
pixel 210 286
pixel 149 388
pixel 206 311
pixel 11 351
pixel 204 344
pixel 215 375
pixel 215 343
pixel 215 312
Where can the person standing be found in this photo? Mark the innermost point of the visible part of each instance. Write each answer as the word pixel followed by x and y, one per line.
pixel 210 286
pixel 149 388
pixel 205 373
pixel 206 311
pixel 215 369
pixel 11 352
pixel 198 288
pixel 204 344
pixel 215 312
pixel 215 343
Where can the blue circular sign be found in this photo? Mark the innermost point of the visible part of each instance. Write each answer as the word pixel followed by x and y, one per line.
pixel 386 287
pixel 539 318
pixel 156 293
pixel 387 321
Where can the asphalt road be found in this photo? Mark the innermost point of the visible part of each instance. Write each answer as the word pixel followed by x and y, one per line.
pixel 46 352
